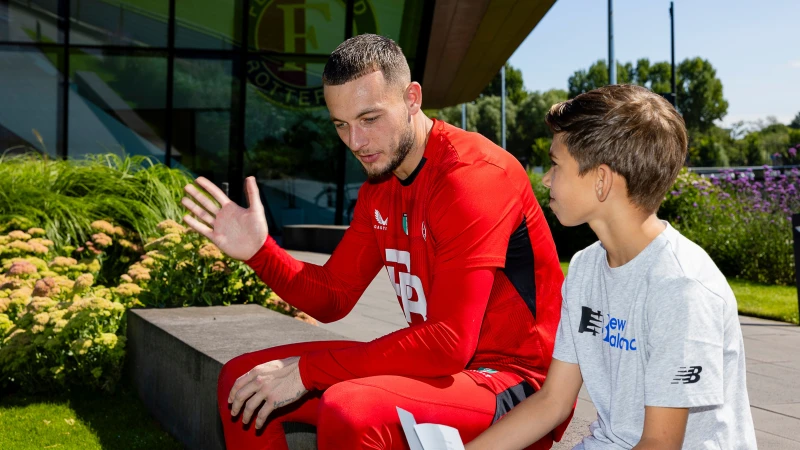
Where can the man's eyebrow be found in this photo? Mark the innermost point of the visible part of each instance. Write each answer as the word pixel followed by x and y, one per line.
pixel 369 111
pixel 362 113
pixel 552 156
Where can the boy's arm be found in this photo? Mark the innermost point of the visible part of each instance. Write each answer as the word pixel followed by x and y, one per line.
pixel 538 414
pixel 663 428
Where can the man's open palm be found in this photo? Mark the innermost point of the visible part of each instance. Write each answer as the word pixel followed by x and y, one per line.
pixel 239 232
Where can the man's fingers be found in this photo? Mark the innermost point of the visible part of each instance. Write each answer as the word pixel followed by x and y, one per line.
pixel 241 398
pixel 198 226
pixel 264 413
pixel 212 189
pixel 252 404
pixel 253 199
pixel 241 382
pixel 202 199
pixel 204 215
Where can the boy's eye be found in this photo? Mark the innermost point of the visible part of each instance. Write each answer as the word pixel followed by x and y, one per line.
pixel 340 125
pixel 371 119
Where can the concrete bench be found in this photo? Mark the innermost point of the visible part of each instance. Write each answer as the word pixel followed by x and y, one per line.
pixel 175 356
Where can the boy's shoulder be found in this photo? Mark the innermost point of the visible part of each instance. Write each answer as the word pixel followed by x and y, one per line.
pixel 683 271
pixel 587 256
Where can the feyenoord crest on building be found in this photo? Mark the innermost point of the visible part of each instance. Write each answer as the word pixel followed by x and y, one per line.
pixel 293 28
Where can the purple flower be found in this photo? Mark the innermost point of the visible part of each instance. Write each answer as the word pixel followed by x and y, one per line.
pixel 792 152
pixel 694 204
pixel 675 193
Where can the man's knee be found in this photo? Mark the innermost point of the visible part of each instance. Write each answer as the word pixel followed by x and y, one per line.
pixel 352 406
pixel 231 371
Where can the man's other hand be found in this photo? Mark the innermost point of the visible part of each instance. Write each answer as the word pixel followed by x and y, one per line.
pixel 276 383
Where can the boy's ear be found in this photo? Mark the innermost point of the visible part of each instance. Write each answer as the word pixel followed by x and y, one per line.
pixel 603 182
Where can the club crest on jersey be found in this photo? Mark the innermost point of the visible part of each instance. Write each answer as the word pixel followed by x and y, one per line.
pixel 382 223
pixel 405 223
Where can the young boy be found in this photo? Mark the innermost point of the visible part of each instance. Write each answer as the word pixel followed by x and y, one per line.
pixel 648 322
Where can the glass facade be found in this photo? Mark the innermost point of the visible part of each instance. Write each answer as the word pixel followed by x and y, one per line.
pixel 222 88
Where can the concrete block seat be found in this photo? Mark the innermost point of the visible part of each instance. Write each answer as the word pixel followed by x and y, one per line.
pixel 175 356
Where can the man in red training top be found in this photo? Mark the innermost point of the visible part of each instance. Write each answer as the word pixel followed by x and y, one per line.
pixel 454 220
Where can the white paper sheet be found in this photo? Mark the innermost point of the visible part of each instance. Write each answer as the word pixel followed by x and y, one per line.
pixel 438 437
pixel 428 436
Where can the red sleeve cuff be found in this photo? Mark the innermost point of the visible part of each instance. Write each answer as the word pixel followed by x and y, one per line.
pixel 305 376
pixel 257 261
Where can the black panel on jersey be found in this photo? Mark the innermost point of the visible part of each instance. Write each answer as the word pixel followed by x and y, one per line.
pixel 519 265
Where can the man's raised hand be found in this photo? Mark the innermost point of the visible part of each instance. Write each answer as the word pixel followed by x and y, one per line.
pixel 239 232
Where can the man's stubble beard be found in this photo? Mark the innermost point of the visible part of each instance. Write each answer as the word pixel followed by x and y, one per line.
pixel 398 156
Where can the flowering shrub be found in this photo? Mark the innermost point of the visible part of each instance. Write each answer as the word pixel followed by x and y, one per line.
pixel 744 225
pixel 56 327
pixel 182 268
pixel 60 326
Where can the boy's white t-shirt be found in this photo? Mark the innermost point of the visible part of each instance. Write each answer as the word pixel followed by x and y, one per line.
pixel 662 330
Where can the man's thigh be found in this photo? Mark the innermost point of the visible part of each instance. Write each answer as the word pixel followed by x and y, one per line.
pixel 362 413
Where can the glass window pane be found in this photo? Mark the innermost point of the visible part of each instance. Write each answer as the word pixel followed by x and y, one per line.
pixel 396 19
pixel 291 147
pixel 31 21
pixel 296 27
pixel 117 104
pixel 209 24
pixel 201 117
pixel 140 23
pixel 30 93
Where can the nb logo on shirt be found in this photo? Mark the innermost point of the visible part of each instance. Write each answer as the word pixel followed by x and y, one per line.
pixel 407 285
pixel 591 321
pixel 688 375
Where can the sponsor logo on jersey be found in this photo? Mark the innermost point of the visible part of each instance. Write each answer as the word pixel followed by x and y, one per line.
pixel 424 232
pixel 688 375
pixel 407 286
pixel 405 223
pixel 382 223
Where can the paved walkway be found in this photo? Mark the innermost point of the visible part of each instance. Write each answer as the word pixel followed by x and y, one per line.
pixel 772 349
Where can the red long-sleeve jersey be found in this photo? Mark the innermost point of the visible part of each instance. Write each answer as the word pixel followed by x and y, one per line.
pixel 471 258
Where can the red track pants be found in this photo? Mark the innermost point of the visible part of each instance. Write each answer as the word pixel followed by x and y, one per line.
pixel 360 413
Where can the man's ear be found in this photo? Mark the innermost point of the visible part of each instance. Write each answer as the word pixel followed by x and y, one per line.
pixel 604 180
pixel 413 97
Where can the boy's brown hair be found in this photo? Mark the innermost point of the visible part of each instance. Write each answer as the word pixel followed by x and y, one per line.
pixel 637 133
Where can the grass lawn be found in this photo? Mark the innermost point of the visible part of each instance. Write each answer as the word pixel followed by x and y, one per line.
pixel 80 420
pixel 759 300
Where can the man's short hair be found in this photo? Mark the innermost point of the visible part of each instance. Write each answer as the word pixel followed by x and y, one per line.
pixel 363 54
pixel 637 133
